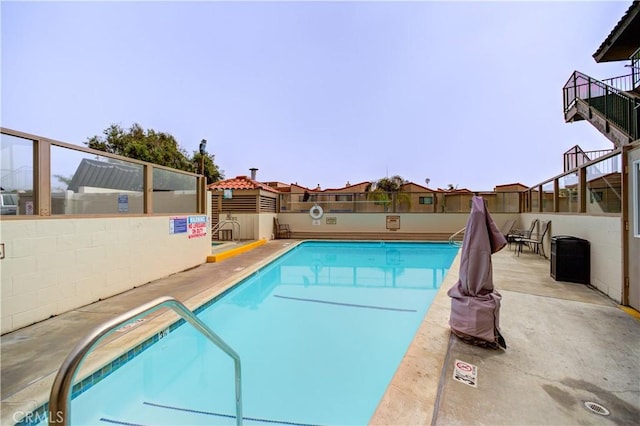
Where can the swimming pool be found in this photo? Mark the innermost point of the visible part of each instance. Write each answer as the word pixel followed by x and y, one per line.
pixel 321 331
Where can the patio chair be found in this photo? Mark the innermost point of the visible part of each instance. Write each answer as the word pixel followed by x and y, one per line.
pixel 536 244
pixel 281 230
pixel 521 233
pixel 507 227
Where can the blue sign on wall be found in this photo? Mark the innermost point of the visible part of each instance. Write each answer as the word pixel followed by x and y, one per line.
pixel 123 203
pixel 177 225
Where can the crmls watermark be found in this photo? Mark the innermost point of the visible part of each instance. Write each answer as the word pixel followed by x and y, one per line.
pixel 35 417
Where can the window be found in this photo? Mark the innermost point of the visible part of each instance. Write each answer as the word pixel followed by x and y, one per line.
pixel 8 203
pixel 344 197
pixel 428 200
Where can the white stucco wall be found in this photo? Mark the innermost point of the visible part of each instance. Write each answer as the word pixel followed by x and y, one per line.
pixel 251 226
pixel 447 223
pixel 266 230
pixel 604 234
pixel 53 265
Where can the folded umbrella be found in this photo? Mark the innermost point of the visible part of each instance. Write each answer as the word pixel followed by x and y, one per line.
pixel 475 304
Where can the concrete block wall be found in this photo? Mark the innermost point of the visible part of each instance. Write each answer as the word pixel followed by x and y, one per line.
pixel 53 265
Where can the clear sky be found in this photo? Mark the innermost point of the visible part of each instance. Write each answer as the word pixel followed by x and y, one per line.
pixel 462 93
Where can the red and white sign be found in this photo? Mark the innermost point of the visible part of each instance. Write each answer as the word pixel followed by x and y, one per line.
pixel 197 226
pixel 465 373
pixel 464 366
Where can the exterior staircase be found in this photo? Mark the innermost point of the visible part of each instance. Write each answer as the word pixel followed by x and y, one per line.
pixel 612 106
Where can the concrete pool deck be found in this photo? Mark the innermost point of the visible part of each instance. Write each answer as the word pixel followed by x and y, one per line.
pixel 567 344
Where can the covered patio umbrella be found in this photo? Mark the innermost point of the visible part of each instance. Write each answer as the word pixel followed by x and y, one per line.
pixel 475 305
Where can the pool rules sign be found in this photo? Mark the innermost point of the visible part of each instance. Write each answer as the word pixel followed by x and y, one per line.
pixel 197 226
pixel 466 373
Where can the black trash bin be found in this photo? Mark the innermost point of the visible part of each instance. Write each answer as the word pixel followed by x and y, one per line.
pixel 570 259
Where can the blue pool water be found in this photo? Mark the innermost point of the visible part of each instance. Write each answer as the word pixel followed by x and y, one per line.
pixel 320 332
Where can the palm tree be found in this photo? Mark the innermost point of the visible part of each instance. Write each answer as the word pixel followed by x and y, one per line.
pixel 389 184
pixel 389 191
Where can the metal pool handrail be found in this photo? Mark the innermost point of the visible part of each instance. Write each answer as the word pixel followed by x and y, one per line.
pixel 452 240
pixel 221 223
pixel 59 399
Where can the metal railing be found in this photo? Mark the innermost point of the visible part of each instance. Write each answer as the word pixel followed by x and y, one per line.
pixel 635 68
pixel 60 400
pixel 221 223
pixel 452 238
pixel 617 108
pixel 623 83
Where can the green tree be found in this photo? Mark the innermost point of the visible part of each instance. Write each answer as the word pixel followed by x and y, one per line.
pixel 154 147
pixel 389 192
pixel 211 171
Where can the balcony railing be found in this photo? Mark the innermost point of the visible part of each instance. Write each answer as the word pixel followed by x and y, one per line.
pixel 594 187
pixel 617 108
pixel 635 68
pixel 575 157
pixel 623 83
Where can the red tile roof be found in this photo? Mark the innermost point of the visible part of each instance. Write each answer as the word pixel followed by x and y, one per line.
pixel 240 182
pixel 351 185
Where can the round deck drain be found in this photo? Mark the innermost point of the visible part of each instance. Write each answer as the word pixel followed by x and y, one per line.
pixel 596 408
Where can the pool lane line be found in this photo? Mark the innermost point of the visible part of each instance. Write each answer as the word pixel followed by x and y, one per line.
pixel 351 305
pixel 118 422
pixel 229 416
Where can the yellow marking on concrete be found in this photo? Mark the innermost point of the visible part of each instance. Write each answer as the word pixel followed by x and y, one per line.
pixel 234 252
pixel 630 311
